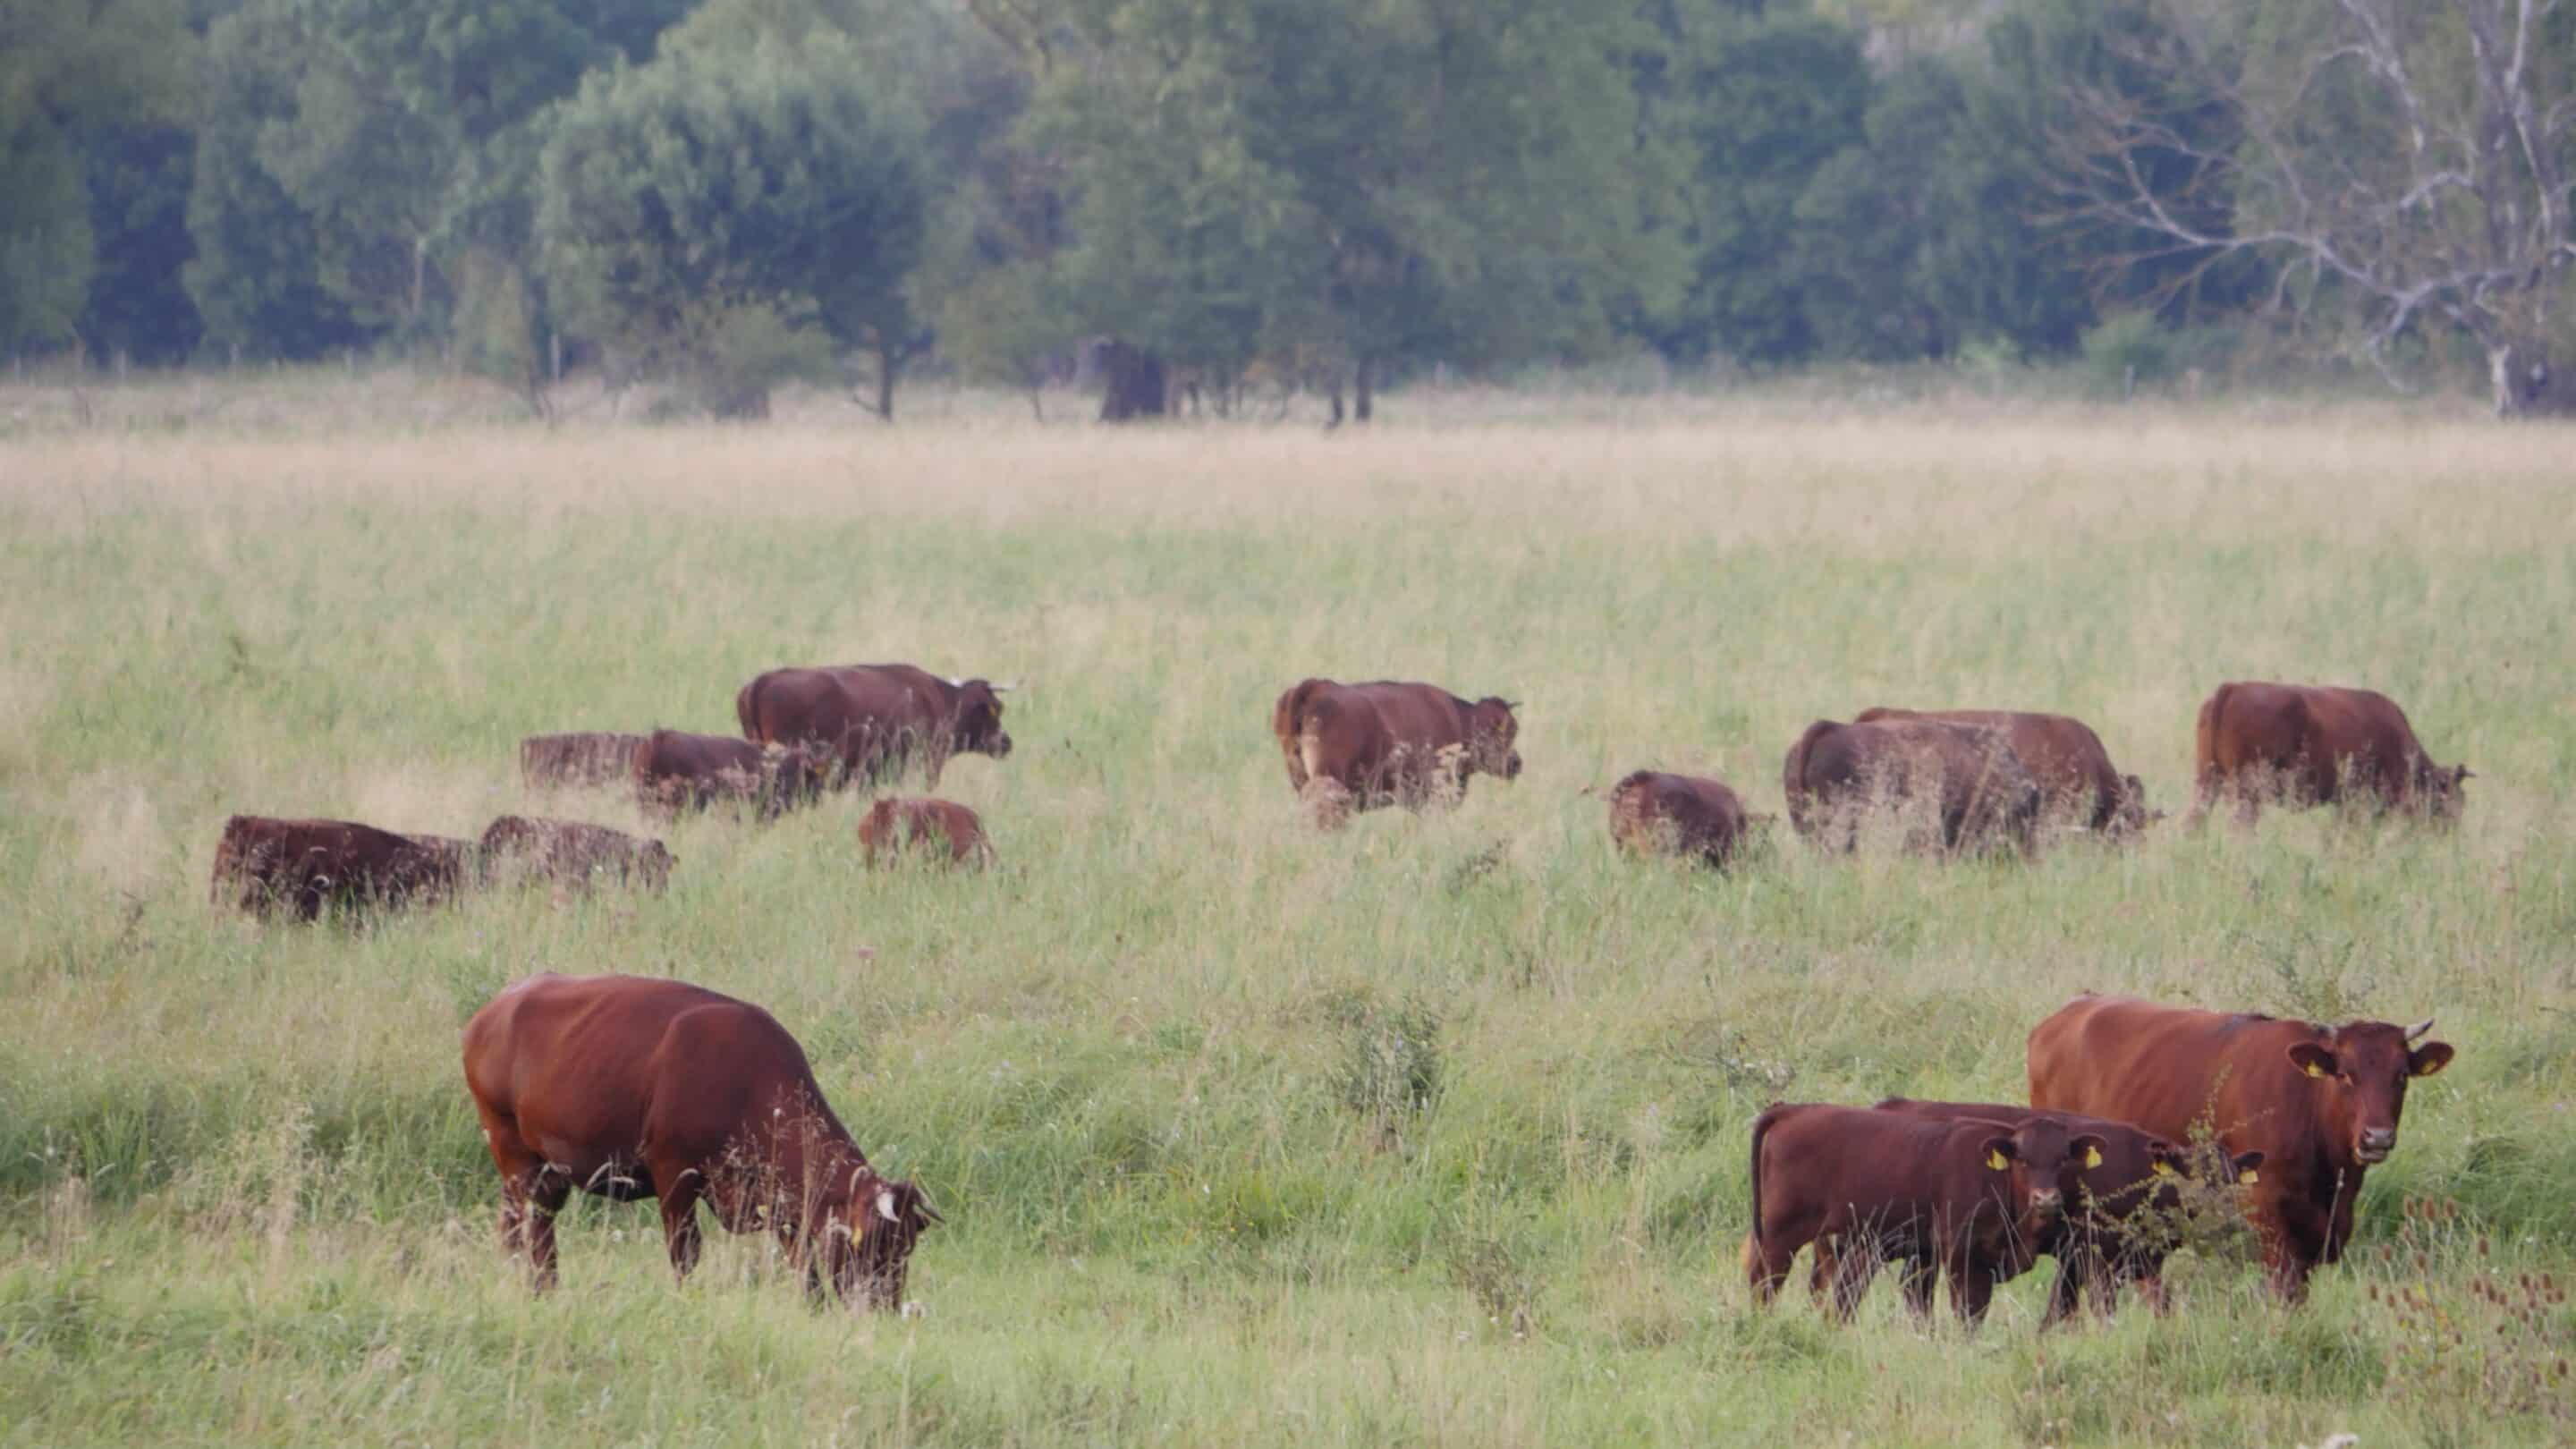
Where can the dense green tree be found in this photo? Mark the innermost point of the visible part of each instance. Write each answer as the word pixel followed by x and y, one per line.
pixel 697 208
pixel 138 306
pixel 68 67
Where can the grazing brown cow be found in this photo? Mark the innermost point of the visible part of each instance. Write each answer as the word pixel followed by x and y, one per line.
pixel 632 1087
pixel 675 771
pixel 1361 746
pixel 875 719
pixel 2078 785
pixel 2310 745
pixel 2320 1103
pixel 897 827
pixel 1652 813
pixel 306 866
pixel 577 761
pixel 1967 776
pixel 571 853
pixel 2120 1224
pixel 1971 1198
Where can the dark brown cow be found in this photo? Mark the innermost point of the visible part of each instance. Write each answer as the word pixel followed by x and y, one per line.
pixel 2320 1103
pixel 632 1087
pixel 1838 775
pixel 2311 744
pixel 571 853
pixel 1973 1199
pixel 1361 746
pixel 674 771
pixel 2120 1224
pixel 577 761
pixel 1652 813
pixel 303 867
pixel 875 719
pixel 897 827
pixel 2078 784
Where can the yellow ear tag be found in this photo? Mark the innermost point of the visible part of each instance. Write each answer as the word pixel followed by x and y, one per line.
pixel 2092 1157
pixel 2315 1071
pixel 2248 1177
pixel 1996 1160
pixel 2165 1169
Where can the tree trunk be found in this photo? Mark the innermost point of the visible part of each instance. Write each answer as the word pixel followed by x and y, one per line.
pixel 1135 383
pixel 1363 392
pixel 2525 383
pixel 888 367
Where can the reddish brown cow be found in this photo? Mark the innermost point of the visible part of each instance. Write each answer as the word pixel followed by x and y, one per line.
pixel 1652 813
pixel 1973 1199
pixel 572 853
pixel 875 719
pixel 2078 784
pixel 576 761
pixel 2312 744
pixel 632 1087
pixel 898 827
pixel 1966 777
pixel 303 867
pixel 675 771
pixel 2120 1223
pixel 2320 1103
pixel 1361 746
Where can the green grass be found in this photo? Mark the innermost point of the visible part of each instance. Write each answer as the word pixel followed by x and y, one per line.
pixel 1193 1196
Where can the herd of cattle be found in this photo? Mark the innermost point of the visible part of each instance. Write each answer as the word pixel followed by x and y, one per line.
pixel 632 1087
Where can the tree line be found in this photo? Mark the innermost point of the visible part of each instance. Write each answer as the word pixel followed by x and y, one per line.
pixel 1197 198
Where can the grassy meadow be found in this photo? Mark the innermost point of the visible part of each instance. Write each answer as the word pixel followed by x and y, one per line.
pixel 1429 1132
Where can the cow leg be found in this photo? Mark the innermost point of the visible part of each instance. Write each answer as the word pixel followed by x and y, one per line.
pixel 1972 1287
pixel 2074 1270
pixel 1922 1275
pixel 1853 1270
pixel 531 1195
pixel 680 1232
pixel 1766 1267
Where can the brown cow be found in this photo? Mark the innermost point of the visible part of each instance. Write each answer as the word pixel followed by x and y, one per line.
pixel 1652 813
pixel 2320 1103
pixel 875 719
pixel 306 866
pixel 900 826
pixel 2120 1224
pixel 571 853
pixel 632 1087
pixel 2078 785
pixel 1966 776
pixel 675 771
pixel 1973 1199
pixel 2310 745
pixel 1361 746
pixel 577 761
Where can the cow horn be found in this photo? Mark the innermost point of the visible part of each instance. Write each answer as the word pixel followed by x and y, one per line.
pixel 2419 1029
pixel 1006 686
pixel 885 1205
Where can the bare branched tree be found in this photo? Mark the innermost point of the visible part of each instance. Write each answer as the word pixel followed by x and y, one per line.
pixel 2409 156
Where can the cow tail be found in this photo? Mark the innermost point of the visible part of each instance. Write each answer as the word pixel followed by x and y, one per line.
pixel 1287 721
pixel 746 708
pixel 1761 1128
pixel 2207 780
pixel 1793 773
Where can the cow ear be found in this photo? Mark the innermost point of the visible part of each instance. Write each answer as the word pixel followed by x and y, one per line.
pixel 2088 1147
pixel 2429 1058
pixel 2312 1059
pixel 2165 1158
pixel 2000 1154
pixel 2245 1165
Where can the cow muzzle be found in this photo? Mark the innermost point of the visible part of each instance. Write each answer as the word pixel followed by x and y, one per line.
pixel 1001 745
pixel 2047 1205
pixel 1512 765
pixel 2375 1144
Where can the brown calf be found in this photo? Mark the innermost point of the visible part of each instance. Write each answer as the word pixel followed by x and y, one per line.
pixel 572 853
pixel 897 827
pixel 303 867
pixel 2311 745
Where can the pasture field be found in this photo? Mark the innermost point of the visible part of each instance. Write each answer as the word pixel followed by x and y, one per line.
pixel 1429 1132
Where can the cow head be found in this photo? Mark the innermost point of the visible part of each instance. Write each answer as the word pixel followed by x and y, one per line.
pixel 653 864
pixel 2358 1075
pixel 2043 1165
pixel 868 1241
pixel 975 719
pixel 1491 732
pixel 2438 787
pixel 796 776
pixel 2129 813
